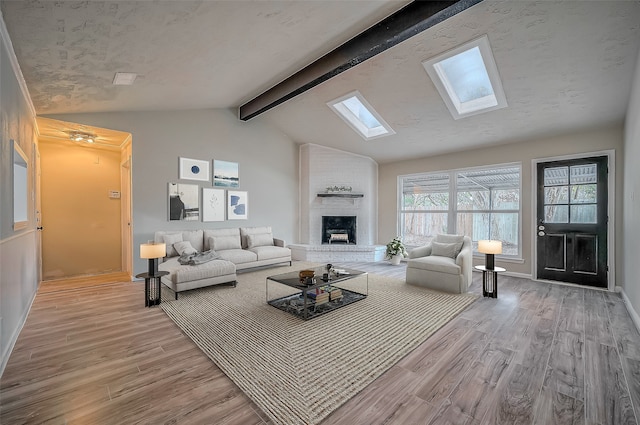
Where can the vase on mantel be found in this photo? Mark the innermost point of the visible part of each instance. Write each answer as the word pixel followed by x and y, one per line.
pixel 395 260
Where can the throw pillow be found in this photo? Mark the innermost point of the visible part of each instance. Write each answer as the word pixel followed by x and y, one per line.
pixel 221 243
pixel 184 247
pixel 450 250
pixel 443 238
pixel 169 240
pixel 260 239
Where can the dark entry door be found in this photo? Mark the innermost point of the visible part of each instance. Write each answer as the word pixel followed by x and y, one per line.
pixel 572 221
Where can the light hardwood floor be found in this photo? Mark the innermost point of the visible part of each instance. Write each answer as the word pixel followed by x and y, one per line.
pixel 539 354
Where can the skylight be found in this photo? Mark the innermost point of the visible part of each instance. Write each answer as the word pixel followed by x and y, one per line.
pixel 360 115
pixel 467 79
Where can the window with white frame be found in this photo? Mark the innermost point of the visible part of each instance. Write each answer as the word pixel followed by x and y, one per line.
pixel 483 203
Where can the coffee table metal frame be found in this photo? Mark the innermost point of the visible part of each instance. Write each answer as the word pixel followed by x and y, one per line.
pixel 292 280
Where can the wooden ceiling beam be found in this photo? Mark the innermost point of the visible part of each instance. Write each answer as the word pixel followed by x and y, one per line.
pixel 412 19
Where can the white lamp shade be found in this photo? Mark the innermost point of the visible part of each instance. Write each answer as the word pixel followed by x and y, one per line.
pixel 490 247
pixel 153 250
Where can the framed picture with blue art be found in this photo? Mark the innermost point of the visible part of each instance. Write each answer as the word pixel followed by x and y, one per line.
pixel 236 205
pixel 212 204
pixel 194 169
pixel 225 174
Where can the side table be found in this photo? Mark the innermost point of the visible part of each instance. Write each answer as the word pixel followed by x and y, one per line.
pixel 152 294
pixel 490 280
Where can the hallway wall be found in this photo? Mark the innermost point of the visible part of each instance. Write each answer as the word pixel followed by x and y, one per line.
pixel 81 223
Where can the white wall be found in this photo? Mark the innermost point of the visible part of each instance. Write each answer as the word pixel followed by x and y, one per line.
pixel 268 166
pixel 18 257
pixel 321 167
pixel 631 250
pixel 587 141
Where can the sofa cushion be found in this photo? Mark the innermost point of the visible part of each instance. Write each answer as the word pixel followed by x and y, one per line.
pixel 245 231
pixel 271 252
pixel 260 239
pixel 450 250
pixel 211 233
pixel 184 247
pixel 238 256
pixel 221 243
pixel 170 240
pixel 435 264
pixel 193 236
pixel 179 273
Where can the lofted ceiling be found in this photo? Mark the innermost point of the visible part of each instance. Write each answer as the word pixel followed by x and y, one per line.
pixel 564 65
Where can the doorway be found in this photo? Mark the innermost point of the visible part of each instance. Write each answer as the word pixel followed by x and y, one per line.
pixel 85 201
pixel 572 216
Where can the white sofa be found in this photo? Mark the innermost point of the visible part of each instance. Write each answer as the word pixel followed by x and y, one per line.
pixel 444 264
pixel 238 248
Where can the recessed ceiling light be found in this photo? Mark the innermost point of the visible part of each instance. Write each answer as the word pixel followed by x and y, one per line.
pixel 124 78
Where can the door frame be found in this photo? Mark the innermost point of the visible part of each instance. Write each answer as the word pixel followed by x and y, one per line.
pixel 126 211
pixel 611 210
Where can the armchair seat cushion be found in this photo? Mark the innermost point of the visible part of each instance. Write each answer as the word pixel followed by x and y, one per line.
pixel 436 263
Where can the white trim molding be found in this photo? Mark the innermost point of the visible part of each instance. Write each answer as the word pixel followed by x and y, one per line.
pixel 627 302
pixel 15 65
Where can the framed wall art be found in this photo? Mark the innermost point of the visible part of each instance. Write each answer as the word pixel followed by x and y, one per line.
pixel 236 205
pixel 193 169
pixel 184 202
pixel 225 174
pixel 212 204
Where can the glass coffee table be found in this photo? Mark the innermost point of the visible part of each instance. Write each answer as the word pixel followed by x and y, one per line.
pixel 315 296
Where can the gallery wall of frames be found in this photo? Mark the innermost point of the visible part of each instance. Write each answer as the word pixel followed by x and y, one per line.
pixel 217 200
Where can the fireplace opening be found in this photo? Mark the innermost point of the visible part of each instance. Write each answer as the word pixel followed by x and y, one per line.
pixel 339 229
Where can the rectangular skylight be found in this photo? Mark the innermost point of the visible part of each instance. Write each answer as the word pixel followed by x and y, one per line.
pixel 467 79
pixel 360 115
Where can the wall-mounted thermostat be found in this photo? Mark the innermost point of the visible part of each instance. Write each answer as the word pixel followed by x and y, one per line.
pixel 114 194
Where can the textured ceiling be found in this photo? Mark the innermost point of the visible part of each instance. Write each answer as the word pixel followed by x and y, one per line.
pixel 564 65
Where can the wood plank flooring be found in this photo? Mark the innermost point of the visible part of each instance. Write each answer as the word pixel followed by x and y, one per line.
pixel 539 354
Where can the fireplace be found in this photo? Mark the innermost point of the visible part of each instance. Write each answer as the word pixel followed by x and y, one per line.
pixel 339 229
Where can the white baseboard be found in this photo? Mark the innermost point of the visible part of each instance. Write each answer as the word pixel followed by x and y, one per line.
pixel 630 309
pixel 14 338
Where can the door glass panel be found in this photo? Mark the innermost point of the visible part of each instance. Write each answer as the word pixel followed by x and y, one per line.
pixel 585 173
pixel 556 176
pixel 586 214
pixel 584 194
pixel 556 213
pixel 556 195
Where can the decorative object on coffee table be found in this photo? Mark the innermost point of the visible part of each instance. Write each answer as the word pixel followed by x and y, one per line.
pixel 395 251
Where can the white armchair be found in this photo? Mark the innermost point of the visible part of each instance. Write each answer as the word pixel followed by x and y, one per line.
pixel 444 264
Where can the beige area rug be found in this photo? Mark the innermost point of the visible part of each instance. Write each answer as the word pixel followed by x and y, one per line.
pixel 298 371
